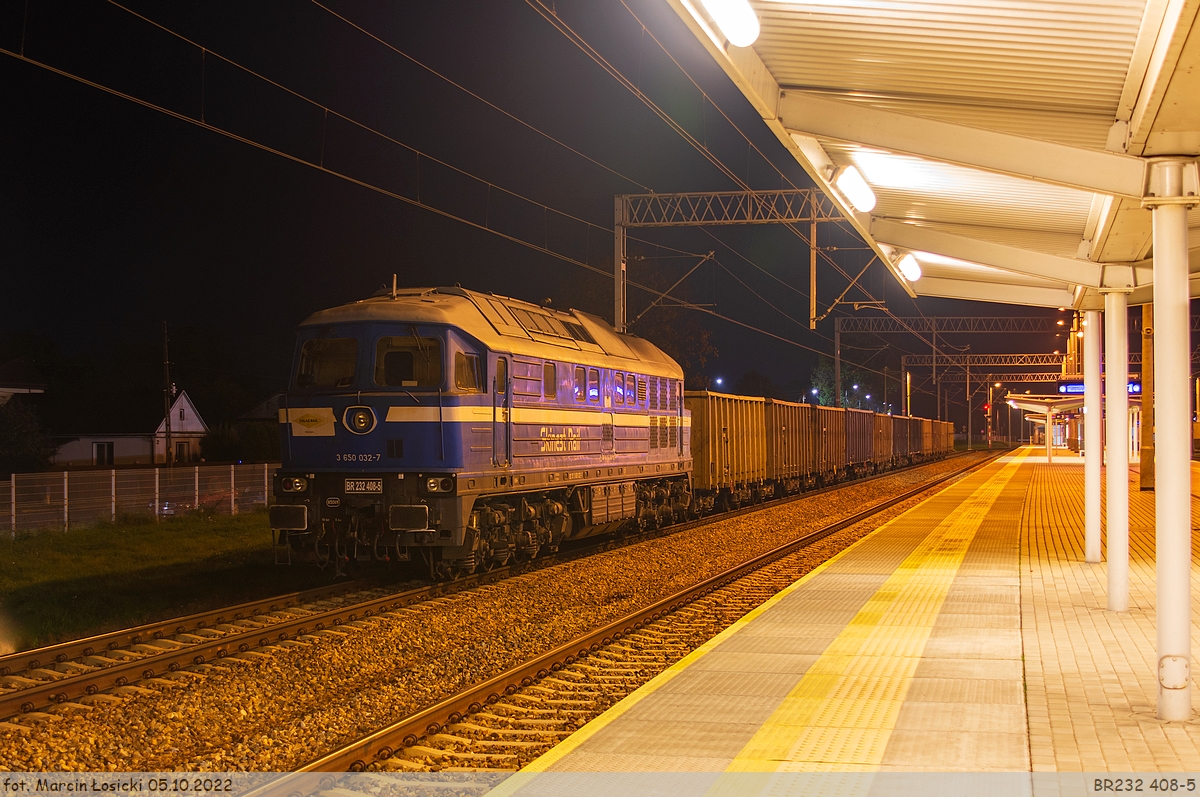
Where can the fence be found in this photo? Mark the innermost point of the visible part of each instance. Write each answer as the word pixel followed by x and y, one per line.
pixel 66 499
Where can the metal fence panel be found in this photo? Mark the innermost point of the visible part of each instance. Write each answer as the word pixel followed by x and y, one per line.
pixel 40 500
pixel 65 499
pixel 253 486
pixel 89 497
pixel 135 491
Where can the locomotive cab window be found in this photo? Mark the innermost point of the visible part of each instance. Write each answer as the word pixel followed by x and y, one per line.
pixel 618 389
pixel 630 389
pixel 593 385
pixel 467 377
pixel 327 362
pixel 408 362
pixel 549 381
pixel 580 384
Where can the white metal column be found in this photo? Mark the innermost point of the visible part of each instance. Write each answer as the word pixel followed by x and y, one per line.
pixel 1049 436
pixel 1172 440
pixel 1093 447
pixel 1116 446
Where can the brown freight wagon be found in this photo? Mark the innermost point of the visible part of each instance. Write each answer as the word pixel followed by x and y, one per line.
pixel 860 440
pixel 789 429
pixel 927 451
pixel 829 443
pixel 884 456
pixel 901 452
pixel 729 447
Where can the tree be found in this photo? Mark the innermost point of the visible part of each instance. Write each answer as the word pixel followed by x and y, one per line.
pixel 24 445
pixel 823 379
pixel 241 442
pixel 679 333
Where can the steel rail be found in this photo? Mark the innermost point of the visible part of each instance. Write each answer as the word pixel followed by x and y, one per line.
pixel 154 649
pixel 31 659
pixel 359 754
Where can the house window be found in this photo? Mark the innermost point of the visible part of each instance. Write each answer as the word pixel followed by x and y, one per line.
pixel 183 452
pixel 181 413
pixel 549 381
pixel 102 454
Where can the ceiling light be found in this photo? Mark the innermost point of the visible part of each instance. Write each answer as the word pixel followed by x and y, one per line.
pixel 736 20
pixel 910 268
pixel 855 188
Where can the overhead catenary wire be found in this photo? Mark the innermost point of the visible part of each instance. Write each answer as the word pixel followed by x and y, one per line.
pixel 201 122
pixel 551 15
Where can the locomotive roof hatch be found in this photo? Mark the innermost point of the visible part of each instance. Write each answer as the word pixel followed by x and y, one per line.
pixel 506 324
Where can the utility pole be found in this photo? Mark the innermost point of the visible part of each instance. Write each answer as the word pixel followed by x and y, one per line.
pixel 166 398
pixel 938 393
pixel 1146 469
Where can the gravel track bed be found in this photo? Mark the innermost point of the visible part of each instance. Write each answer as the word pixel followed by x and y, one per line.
pixel 276 711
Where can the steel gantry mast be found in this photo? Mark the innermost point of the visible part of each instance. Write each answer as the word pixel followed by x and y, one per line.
pixel 716 208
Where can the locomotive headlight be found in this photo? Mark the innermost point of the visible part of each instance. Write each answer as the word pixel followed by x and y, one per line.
pixel 297 484
pixel 438 484
pixel 359 420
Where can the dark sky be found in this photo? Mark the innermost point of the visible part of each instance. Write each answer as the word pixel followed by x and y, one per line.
pixel 115 216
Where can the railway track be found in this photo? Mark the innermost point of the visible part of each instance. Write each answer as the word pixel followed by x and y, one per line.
pixel 506 721
pixel 60 674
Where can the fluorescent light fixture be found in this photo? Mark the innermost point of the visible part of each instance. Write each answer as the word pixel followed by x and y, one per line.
pixel 902 172
pixel 736 20
pixel 909 267
pixel 855 188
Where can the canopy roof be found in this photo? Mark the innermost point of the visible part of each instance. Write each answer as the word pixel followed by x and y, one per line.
pixel 1005 141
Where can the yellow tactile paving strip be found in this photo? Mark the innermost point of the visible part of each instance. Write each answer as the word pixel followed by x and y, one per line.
pixel 842 713
pixel 1090 672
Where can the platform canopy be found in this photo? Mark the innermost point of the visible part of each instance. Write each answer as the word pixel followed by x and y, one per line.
pixel 1006 142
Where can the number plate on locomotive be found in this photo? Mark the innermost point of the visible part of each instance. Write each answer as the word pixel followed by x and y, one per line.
pixel 364 485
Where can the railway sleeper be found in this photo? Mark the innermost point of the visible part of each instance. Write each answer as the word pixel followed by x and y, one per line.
pixel 470 727
pixel 422 751
pixel 534 721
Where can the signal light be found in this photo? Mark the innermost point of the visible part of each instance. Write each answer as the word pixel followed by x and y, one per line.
pixel 987 407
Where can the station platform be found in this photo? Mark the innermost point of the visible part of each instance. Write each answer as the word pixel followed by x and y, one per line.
pixel 965 635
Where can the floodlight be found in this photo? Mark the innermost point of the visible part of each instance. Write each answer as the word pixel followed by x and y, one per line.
pixel 736 20
pixel 855 188
pixel 910 268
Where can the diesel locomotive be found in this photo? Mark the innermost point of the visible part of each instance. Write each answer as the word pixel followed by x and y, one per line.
pixel 465 429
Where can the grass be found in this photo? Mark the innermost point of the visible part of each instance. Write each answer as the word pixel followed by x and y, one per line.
pixel 56 586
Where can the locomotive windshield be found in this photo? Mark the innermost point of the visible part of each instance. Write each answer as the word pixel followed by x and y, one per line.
pixel 408 362
pixel 327 362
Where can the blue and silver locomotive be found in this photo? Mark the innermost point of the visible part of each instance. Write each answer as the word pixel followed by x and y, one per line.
pixel 465 429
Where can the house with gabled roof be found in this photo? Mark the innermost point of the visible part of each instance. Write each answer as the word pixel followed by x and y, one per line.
pixel 138 448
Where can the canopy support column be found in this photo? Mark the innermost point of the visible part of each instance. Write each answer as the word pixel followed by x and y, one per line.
pixel 1172 419
pixel 1049 437
pixel 1093 447
pixel 1116 446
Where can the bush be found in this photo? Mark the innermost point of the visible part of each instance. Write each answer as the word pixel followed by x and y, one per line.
pixel 24 445
pixel 242 442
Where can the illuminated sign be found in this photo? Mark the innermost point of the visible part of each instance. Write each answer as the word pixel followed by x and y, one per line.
pixel 1076 388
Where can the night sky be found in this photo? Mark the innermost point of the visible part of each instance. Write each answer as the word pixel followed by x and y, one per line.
pixel 115 217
